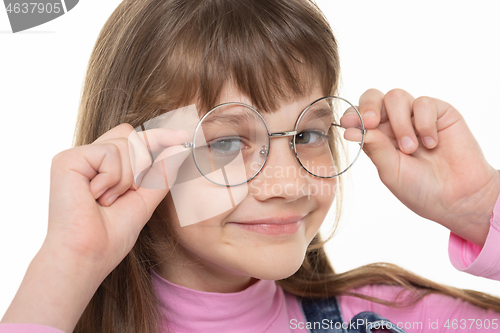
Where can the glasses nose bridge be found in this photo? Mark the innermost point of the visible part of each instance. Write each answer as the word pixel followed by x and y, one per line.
pixel 265 148
pixel 283 134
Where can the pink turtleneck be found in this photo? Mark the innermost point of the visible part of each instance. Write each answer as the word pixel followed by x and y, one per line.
pixel 262 307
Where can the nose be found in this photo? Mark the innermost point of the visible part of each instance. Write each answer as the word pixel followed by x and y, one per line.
pixel 282 176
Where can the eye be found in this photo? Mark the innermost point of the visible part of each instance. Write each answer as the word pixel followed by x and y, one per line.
pixel 310 137
pixel 226 146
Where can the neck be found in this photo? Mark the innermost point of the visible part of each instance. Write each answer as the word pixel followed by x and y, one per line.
pixel 203 277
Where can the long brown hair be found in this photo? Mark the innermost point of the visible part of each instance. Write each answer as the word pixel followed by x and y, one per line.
pixel 153 56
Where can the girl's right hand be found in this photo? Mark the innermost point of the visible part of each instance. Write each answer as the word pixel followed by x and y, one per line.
pixel 96 211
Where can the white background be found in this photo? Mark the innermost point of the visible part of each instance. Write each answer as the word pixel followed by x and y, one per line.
pixel 445 49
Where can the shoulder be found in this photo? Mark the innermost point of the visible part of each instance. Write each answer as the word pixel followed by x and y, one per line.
pixel 429 308
pixel 348 305
pixel 325 315
pixel 317 309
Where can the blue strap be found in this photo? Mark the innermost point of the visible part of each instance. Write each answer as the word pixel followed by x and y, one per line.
pixel 367 321
pixel 323 316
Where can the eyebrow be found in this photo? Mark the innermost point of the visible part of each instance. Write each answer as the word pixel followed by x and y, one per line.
pixel 239 119
pixel 233 119
pixel 319 113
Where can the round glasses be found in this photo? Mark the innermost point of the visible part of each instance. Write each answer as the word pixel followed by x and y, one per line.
pixel 231 142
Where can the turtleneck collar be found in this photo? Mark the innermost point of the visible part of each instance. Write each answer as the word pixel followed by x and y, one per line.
pixel 262 307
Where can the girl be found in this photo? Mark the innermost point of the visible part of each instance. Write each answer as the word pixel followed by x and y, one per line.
pixel 117 258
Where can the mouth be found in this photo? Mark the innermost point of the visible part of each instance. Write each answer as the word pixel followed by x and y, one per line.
pixel 273 226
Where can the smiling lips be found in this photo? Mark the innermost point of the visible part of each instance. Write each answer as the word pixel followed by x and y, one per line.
pixel 273 226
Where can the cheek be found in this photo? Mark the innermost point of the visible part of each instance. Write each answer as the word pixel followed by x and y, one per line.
pixel 323 192
pixel 198 237
pixel 195 199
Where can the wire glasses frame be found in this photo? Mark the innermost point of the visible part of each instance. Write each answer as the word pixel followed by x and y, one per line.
pixel 265 149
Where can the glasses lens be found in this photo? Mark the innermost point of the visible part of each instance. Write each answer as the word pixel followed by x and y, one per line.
pixel 231 144
pixel 319 144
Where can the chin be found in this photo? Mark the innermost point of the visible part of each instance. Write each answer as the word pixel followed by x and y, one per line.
pixel 278 265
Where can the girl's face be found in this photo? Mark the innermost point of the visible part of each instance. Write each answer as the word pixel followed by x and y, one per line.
pixel 266 235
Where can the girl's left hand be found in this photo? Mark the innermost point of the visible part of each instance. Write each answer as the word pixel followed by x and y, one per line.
pixel 428 158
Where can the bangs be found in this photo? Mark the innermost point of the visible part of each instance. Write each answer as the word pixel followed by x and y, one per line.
pixel 270 50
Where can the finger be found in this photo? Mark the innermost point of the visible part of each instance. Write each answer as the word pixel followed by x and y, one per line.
pixel 398 105
pixel 156 184
pixel 145 146
pixel 120 131
pixel 159 138
pixel 161 175
pixel 351 118
pixel 371 107
pixel 425 114
pixel 155 139
pixel 98 164
pixel 123 181
pixel 379 148
pixel 163 172
pixel 353 134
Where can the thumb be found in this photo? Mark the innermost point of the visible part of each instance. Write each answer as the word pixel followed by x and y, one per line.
pixel 382 152
pixel 160 177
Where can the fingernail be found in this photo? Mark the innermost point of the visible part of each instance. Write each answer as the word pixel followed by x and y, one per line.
pixel 369 114
pixel 98 195
pixel 406 143
pixel 111 199
pixel 429 142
